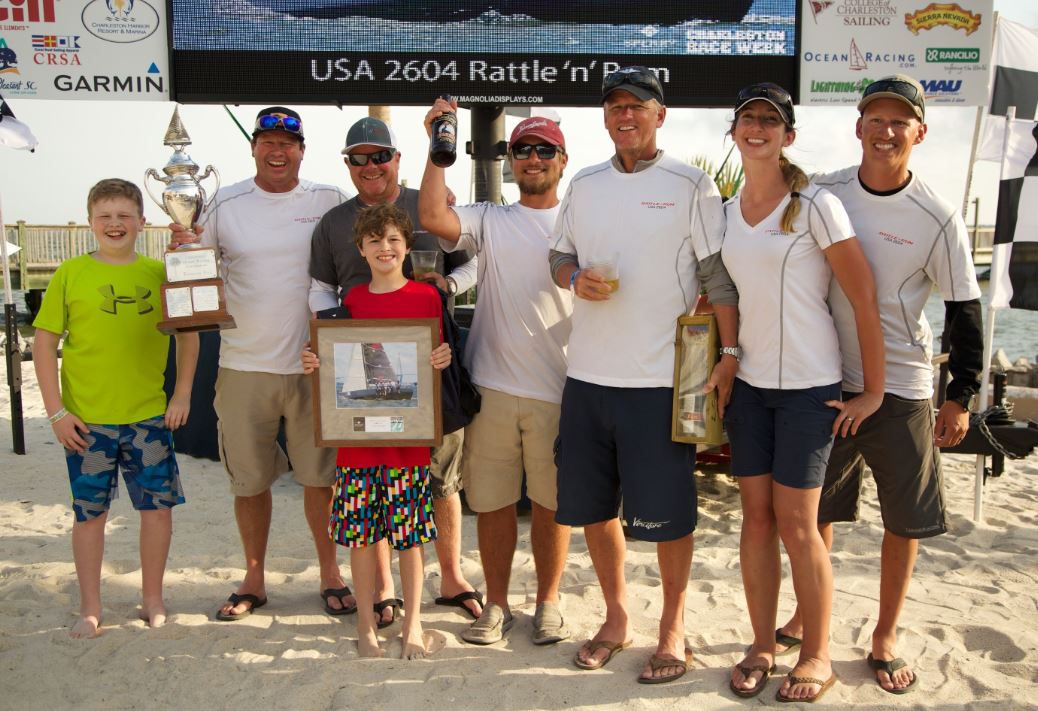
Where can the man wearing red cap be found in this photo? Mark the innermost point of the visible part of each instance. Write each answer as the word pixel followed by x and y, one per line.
pixel 517 357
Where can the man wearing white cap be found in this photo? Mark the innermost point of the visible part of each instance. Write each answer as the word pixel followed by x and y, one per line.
pixel 516 354
pixel 914 240
pixel 336 266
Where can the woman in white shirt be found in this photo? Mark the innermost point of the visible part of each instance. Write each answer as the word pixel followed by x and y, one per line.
pixel 784 241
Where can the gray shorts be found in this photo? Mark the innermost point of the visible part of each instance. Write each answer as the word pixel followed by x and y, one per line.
pixel 897 445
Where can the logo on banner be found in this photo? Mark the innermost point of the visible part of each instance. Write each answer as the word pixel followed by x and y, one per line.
pixel 858 60
pixel 8 59
pixel 120 21
pixel 56 50
pixel 935 14
pixel 26 10
pixel 941 87
pixel 149 83
pixel 820 6
pixel 858 13
pixel 966 55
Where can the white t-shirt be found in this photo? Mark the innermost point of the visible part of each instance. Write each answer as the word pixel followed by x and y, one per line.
pixel 263 241
pixel 660 221
pixel 787 335
pixel 913 240
pixel 522 322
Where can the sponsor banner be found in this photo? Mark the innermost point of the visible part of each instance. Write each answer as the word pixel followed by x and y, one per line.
pixel 549 52
pixel 93 49
pixel 848 44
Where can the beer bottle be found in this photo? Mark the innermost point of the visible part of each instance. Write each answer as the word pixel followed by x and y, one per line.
pixel 443 146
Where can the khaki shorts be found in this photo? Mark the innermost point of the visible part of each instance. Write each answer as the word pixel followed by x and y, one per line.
pixel 445 468
pixel 509 435
pixel 250 406
pixel 896 443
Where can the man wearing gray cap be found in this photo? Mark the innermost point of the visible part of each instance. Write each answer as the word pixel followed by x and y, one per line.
pixel 914 240
pixel 660 221
pixel 261 229
pixel 336 266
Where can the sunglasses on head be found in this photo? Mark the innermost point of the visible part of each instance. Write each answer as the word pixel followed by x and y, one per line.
pixel 771 92
pixel 269 122
pixel 359 160
pixel 545 151
pixel 895 86
pixel 629 75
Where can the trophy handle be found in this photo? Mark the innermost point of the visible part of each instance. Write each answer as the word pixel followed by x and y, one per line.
pixel 209 170
pixel 152 173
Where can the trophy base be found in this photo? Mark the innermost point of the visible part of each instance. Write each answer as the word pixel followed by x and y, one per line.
pixel 191 324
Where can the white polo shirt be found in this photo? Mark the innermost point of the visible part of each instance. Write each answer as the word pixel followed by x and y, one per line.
pixel 522 322
pixel 660 221
pixel 913 240
pixel 263 241
pixel 786 332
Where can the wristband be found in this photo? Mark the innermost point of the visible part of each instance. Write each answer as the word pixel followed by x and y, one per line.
pixel 57 415
pixel 573 279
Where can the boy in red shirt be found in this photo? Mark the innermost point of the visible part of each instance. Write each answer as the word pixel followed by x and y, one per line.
pixel 383 492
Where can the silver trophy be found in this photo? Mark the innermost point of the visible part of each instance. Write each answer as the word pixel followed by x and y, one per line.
pixel 193 297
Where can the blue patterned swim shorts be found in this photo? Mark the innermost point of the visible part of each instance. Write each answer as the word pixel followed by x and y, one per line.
pixel 142 450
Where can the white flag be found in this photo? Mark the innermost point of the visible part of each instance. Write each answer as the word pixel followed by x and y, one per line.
pixel 14 133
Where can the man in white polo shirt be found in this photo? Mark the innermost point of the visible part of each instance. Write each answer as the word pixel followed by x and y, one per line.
pixel 660 220
pixel 261 229
pixel 914 240
pixel 516 354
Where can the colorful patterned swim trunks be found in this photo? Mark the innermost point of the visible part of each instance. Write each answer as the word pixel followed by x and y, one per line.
pixel 372 503
pixel 142 450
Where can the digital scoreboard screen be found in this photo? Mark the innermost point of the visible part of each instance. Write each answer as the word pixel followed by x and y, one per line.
pixel 526 52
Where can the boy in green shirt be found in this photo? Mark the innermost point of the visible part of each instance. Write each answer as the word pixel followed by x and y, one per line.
pixel 109 410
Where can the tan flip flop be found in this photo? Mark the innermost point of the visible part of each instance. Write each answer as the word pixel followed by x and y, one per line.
pixel 591 647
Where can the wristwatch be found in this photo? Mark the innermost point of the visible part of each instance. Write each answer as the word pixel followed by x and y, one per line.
pixel 573 280
pixel 964 400
pixel 733 351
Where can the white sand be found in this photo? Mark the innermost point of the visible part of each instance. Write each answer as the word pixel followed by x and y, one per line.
pixel 970 624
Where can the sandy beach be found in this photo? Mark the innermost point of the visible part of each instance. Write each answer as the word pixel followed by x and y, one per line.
pixel 970 625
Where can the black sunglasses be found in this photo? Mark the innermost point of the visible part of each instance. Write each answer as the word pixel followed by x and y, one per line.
pixel 361 159
pixel 766 90
pixel 545 151
pixel 895 86
pixel 269 122
pixel 631 75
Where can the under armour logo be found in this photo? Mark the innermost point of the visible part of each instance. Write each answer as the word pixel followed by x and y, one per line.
pixel 109 305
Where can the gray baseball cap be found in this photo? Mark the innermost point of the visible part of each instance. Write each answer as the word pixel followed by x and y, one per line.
pixel 369 132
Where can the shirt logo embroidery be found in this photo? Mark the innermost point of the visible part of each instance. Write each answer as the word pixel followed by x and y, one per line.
pixel 110 302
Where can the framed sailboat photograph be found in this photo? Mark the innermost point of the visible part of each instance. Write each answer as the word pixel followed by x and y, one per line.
pixel 375 386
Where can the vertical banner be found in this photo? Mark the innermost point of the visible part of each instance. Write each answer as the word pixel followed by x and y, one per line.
pixel 848 44
pixel 93 49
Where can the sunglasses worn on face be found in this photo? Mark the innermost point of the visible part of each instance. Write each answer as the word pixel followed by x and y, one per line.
pixel 545 151
pixel 359 160
pixel 269 122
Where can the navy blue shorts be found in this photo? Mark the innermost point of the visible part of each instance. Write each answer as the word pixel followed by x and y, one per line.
pixel 787 433
pixel 615 442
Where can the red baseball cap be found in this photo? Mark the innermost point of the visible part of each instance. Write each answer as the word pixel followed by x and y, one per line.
pixel 541 127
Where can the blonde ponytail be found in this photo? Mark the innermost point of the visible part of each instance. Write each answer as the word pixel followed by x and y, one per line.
pixel 796 180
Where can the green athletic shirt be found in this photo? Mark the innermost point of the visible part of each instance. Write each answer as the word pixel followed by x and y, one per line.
pixel 114 358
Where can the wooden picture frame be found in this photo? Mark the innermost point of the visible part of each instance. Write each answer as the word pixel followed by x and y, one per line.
pixel 695 419
pixel 376 386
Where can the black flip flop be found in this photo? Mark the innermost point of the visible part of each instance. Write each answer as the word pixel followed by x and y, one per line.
pixel 338 594
pixel 394 604
pixel 460 599
pixel 791 643
pixel 891 666
pixel 254 602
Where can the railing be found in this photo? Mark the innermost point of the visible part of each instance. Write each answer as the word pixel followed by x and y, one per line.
pixel 45 247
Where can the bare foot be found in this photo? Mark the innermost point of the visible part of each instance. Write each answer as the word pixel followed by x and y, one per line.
pixel 154 613
pixel 431 643
pixel 87 627
pixel 367 644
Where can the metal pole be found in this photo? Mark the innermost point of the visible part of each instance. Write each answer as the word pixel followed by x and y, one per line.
pixel 12 351
pixel 487 149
